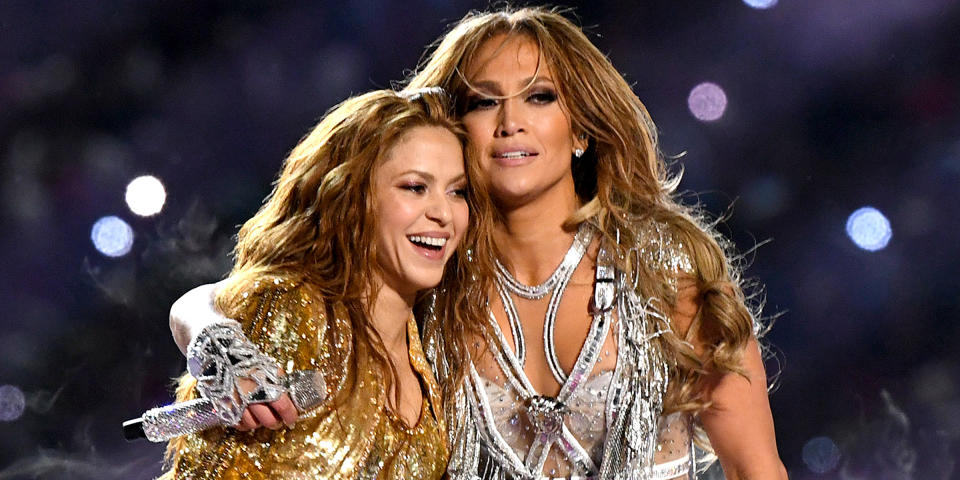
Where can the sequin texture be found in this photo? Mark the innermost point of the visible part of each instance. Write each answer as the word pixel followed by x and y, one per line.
pixel 360 438
pixel 614 425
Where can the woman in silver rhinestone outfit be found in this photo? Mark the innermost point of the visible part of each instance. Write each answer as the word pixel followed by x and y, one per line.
pixel 619 343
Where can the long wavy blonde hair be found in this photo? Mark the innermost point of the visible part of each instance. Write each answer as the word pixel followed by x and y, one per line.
pixel 301 231
pixel 623 183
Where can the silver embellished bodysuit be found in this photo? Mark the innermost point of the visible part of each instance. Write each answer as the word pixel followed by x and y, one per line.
pixel 604 422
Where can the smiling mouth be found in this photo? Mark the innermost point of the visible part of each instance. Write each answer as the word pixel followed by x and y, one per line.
pixel 430 243
pixel 515 155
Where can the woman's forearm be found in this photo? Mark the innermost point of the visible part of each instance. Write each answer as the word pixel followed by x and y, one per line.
pixel 192 312
pixel 739 422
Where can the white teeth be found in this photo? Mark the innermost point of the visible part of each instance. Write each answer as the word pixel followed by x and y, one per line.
pixel 432 241
pixel 514 155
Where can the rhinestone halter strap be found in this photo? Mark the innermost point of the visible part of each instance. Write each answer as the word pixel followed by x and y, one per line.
pixel 547 414
pixel 570 262
pixel 507 284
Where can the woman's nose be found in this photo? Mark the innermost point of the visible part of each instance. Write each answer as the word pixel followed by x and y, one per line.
pixel 510 120
pixel 439 210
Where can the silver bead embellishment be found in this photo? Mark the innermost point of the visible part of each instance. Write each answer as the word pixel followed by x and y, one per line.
pixel 547 415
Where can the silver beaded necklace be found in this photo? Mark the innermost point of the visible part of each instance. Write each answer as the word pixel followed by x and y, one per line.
pixel 569 263
pixel 556 284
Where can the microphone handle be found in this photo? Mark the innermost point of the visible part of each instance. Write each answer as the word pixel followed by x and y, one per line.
pixel 306 388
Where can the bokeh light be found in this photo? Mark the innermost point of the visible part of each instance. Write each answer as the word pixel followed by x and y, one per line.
pixel 761 4
pixel 765 197
pixel 707 102
pixel 112 236
pixel 145 196
pixel 833 106
pixel 869 229
pixel 821 455
pixel 12 403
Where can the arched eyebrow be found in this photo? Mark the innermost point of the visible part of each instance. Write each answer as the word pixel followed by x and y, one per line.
pixel 429 177
pixel 493 87
pixel 462 178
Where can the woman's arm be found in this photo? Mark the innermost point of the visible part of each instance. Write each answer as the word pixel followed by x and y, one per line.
pixel 738 421
pixel 190 315
pixel 193 312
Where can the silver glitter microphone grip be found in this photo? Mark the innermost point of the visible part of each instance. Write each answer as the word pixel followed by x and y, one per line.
pixel 306 388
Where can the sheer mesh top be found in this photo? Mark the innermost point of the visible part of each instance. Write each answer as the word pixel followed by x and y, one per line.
pixel 563 435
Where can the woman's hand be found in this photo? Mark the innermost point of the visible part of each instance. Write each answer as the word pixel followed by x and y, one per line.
pixel 189 316
pixel 272 415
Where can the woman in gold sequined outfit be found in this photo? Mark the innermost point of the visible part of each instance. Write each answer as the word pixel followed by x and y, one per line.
pixel 620 343
pixel 368 213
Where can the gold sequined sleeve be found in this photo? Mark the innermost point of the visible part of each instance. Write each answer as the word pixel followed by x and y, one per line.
pixel 288 324
pixel 285 322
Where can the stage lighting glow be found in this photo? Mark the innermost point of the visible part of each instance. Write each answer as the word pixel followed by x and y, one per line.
pixel 821 455
pixel 707 102
pixel 12 403
pixel 145 196
pixel 765 197
pixel 112 236
pixel 761 4
pixel 869 229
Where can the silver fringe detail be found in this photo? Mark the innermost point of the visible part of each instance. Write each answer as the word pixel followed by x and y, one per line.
pixel 637 390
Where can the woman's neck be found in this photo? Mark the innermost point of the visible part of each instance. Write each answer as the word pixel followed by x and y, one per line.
pixel 389 314
pixel 532 239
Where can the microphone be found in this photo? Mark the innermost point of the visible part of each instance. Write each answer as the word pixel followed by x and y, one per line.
pixel 306 388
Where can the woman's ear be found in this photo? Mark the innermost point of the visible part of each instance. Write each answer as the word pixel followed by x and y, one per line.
pixel 580 144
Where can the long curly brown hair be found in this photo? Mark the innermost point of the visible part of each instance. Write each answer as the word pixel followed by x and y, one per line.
pixel 319 223
pixel 624 183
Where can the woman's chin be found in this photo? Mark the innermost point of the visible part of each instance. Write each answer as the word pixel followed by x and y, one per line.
pixel 421 282
pixel 512 194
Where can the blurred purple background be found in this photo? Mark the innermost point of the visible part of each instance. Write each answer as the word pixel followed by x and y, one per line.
pixel 830 106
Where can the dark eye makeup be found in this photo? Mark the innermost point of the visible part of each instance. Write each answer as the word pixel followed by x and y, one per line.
pixel 476 102
pixel 541 96
pixel 414 187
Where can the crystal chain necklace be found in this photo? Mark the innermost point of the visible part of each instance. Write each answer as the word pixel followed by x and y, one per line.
pixel 570 262
pixel 556 284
